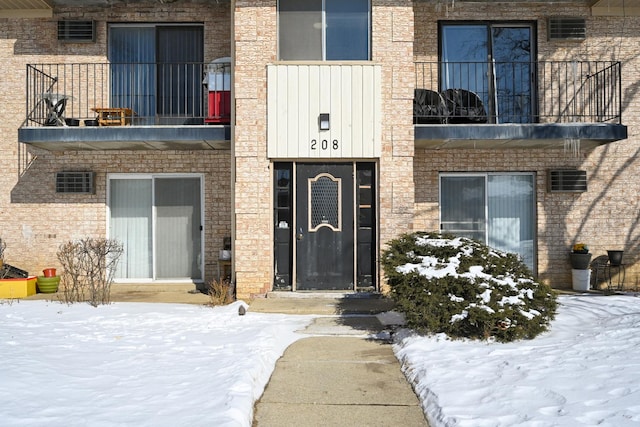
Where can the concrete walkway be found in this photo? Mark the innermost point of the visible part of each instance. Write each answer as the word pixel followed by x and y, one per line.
pixel 338 375
pixel 178 293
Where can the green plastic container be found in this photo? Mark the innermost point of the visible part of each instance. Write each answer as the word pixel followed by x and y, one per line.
pixel 48 285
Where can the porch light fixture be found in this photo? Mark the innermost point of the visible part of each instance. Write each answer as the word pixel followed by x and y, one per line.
pixel 323 121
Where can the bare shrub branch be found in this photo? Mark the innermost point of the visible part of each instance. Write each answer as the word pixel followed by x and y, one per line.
pixel 220 292
pixel 89 267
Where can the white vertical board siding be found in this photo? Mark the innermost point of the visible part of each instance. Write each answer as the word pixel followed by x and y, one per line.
pixel 297 94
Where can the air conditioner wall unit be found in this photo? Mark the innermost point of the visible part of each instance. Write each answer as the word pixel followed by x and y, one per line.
pixel 75 182
pixel 566 28
pixel 76 31
pixel 567 180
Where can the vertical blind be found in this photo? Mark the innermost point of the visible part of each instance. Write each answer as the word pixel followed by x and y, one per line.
pixel 131 225
pixel 159 222
pixel 157 70
pixel 497 209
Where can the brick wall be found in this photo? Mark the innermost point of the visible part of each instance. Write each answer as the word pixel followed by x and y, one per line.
pixel 39 219
pixel 256 46
pixel 392 47
pixel 607 215
pixel 34 220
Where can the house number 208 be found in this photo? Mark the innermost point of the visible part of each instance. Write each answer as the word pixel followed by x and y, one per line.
pixel 324 144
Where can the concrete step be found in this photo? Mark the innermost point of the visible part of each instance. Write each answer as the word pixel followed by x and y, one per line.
pixel 321 303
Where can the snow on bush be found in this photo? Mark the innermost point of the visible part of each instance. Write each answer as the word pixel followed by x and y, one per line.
pixel 458 286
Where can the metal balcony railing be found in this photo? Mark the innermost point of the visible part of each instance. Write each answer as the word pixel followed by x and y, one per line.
pixel 148 93
pixel 446 92
pixel 518 92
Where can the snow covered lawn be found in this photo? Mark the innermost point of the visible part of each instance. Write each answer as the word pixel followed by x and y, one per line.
pixel 584 371
pixel 136 364
pixel 182 365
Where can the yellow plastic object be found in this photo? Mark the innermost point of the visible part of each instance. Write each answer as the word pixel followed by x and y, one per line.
pixel 17 288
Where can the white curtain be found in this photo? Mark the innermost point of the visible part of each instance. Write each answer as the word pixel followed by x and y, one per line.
pixel 511 211
pixel 498 209
pixel 157 219
pixel 178 243
pixel 131 225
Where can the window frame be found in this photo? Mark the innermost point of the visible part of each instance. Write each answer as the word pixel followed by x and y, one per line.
pixel 324 35
pixel 494 116
pixel 485 175
pixel 147 68
pixel 152 178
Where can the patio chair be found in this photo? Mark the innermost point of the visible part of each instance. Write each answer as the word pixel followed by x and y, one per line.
pixel 429 107
pixel 56 105
pixel 464 106
pixel 598 271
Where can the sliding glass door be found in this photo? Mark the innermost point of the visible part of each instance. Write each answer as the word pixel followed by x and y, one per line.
pixel 158 219
pixel 157 71
pixel 131 223
pixel 495 208
pixel 178 228
pixel 494 62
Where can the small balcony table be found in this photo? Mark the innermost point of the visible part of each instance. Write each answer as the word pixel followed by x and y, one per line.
pixel 114 116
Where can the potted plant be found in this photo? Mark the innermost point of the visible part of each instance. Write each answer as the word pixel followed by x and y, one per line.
pixel 580 272
pixel 615 257
pixel 580 257
pixel 48 285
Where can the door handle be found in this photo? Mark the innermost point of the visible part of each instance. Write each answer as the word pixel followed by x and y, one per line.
pixel 300 236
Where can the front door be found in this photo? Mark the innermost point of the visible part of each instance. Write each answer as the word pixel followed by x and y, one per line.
pixel 324 227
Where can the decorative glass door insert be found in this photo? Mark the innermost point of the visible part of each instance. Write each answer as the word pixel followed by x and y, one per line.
pixel 325 202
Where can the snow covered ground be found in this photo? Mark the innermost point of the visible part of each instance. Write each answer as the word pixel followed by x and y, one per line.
pixel 136 364
pixel 181 365
pixel 584 371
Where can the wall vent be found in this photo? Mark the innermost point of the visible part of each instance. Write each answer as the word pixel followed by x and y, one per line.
pixel 77 31
pixel 567 28
pixel 570 181
pixel 75 182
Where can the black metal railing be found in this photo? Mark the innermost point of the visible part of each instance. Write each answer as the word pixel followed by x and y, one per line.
pixel 446 92
pixel 518 92
pixel 150 93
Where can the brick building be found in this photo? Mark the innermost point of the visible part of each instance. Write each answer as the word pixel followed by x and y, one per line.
pixel 302 135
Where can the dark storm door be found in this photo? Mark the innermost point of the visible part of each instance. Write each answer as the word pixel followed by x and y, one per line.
pixel 324 227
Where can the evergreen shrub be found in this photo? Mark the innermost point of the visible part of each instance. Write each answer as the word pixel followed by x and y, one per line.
pixel 465 289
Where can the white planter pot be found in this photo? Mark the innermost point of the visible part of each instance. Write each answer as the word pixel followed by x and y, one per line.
pixel 581 279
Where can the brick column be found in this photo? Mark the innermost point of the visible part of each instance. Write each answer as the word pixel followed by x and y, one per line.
pixel 393 48
pixel 254 39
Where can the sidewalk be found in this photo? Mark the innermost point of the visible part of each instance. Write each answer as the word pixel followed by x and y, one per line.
pixel 166 293
pixel 338 375
pixel 344 373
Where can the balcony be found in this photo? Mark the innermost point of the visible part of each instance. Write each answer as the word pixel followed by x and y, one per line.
pixel 133 106
pixel 517 104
